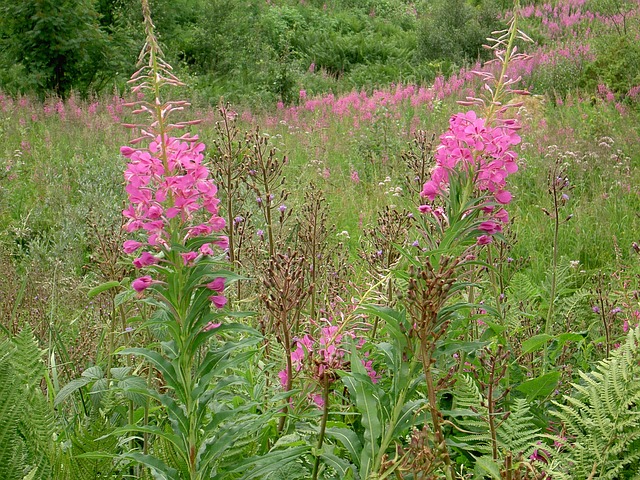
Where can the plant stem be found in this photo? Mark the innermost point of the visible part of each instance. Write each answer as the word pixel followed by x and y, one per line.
pixel 323 425
pixel 439 441
pixel 287 348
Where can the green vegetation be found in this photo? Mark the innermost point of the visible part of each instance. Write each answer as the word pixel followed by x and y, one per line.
pixel 355 328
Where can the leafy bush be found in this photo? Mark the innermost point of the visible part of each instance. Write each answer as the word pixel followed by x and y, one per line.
pixel 456 30
pixel 617 63
pixel 58 43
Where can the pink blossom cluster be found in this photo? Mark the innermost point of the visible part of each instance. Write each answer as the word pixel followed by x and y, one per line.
pixel 483 150
pixel 168 190
pixel 322 357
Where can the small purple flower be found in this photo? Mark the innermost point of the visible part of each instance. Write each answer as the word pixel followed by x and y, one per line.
pixel 260 233
pixel 259 200
pixel 616 311
pixel 416 243
pixel 596 309
pixel 282 208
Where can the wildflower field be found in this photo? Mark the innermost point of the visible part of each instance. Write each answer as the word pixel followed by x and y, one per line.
pixel 417 281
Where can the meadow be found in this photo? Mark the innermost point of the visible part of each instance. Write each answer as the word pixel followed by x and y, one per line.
pixel 415 281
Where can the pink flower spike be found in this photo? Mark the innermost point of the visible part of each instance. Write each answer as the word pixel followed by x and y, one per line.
pixel 142 283
pixel 218 301
pixel 217 285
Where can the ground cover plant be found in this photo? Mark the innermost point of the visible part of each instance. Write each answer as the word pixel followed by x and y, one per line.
pixel 417 281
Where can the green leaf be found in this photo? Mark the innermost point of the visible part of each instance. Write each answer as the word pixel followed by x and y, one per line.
pixel 272 461
pixel 124 296
pixel 535 343
pixel 340 465
pixel 486 466
pixel 450 347
pixel 349 440
pixel 103 288
pixel 570 337
pixel 69 388
pixel 541 386
pixel 153 463
pixel 131 387
pixel 363 391
pixel 93 373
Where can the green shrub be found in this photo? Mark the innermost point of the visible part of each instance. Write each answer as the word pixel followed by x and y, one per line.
pixel 456 30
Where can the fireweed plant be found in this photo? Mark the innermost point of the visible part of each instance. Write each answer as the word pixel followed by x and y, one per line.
pixel 175 226
pixel 464 209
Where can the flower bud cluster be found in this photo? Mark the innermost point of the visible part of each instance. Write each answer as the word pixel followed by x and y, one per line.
pixel 324 356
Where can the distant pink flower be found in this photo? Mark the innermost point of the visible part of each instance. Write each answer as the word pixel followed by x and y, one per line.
pixel 145 260
pixel 131 246
pixel 211 326
pixel 282 374
pixel 206 249
pixel 217 285
pixel 373 375
pixel 490 227
pixel 318 400
pixel 355 178
pixel 484 240
pixel 218 301
pixel 222 242
pixel 188 257
pixel 142 283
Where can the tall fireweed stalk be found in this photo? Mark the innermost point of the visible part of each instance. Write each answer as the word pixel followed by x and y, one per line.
pixel 175 227
pixel 466 195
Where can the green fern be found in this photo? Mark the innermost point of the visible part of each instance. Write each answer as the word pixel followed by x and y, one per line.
pixel 12 403
pixel 517 434
pixel 26 418
pixel 602 419
pixel 469 399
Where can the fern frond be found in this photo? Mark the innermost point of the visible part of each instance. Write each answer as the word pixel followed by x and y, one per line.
pixel 522 289
pixel 12 403
pixel 518 434
pixel 468 398
pixel 602 419
pixel 27 359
